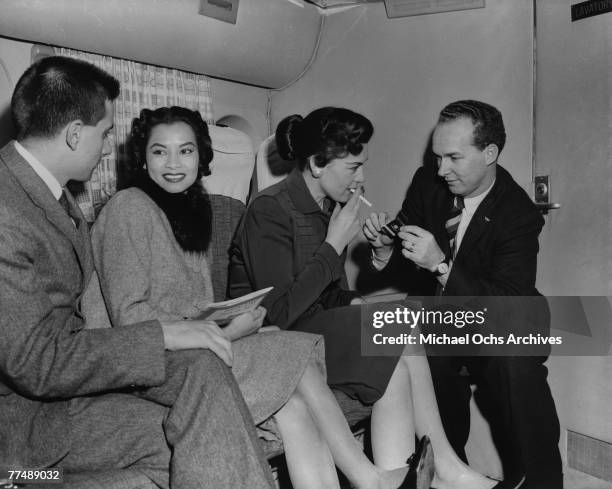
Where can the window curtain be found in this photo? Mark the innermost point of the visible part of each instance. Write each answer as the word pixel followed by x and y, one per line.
pixel 142 86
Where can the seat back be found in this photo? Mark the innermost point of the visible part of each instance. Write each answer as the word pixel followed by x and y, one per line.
pixel 227 213
pixel 270 167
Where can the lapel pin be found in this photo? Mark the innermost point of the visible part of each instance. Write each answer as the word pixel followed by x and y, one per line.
pixel 487 219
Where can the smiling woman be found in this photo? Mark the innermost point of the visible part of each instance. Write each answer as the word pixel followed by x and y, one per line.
pixel 173 145
pixel 172 156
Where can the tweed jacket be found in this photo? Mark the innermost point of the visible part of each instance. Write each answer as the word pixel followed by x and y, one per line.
pixel 143 271
pixel 47 356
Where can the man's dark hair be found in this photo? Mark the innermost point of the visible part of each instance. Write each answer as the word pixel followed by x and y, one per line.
pixel 56 90
pixel 487 120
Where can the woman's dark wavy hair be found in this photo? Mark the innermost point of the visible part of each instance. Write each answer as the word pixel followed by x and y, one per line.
pixel 325 134
pixel 148 119
pixel 488 123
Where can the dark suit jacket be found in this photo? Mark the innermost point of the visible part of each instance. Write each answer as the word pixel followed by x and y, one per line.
pixel 46 355
pixel 498 253
pixel 497 257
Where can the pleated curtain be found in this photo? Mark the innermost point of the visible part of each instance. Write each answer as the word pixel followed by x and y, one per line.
pixel 142 86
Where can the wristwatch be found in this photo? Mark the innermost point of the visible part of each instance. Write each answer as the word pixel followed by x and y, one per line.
pixel 442 267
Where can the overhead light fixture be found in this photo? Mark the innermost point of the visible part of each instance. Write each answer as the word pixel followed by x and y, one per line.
pixel 340 3
pixel 408 8
pixel 225 10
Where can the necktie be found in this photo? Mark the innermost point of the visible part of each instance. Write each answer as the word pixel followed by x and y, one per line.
pixel 63 200
pixel 452 224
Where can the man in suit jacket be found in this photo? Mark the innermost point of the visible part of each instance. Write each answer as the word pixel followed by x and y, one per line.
pixel 470 230
pixel 97 399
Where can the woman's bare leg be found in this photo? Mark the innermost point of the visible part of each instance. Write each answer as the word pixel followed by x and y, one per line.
pixel 450 469
pixel 346 451
pixel 392 421
pixel 309 460
pixel 409 406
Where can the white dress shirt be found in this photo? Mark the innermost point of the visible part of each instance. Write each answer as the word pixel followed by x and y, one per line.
pixel 41 171
pixel 468 211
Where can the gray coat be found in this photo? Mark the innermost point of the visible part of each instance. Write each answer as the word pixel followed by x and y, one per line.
pixel 143 271
pixel 145 274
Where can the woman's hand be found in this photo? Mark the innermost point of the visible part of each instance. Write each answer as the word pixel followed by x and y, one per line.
pixel 344 223
pixel 372 230
pixel 245 324
pixel 268 329
pixel 381 244
pixel 190 334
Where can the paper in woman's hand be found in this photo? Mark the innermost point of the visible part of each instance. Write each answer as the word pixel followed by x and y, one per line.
pixel 224 312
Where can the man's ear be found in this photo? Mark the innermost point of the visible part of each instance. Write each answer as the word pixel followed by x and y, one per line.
pixel 491 153
pixel 73 133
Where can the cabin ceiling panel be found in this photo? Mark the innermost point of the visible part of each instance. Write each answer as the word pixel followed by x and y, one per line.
pixel 270 44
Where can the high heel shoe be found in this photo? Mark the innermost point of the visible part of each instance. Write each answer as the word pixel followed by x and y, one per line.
pixel 420 466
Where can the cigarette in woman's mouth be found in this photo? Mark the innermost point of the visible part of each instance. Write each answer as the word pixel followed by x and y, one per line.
pixel 362 198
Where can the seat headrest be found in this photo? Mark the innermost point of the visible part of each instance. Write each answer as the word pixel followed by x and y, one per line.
pixel 232 164
pixel 271 168
pixel 229 140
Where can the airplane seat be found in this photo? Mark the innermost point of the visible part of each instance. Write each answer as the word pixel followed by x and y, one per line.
pixel 232 164
pixel 269 166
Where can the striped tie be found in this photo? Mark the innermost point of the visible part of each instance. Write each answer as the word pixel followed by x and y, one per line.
pixel 452 224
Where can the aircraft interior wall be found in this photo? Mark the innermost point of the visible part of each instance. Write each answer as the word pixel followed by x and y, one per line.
pixel 401 72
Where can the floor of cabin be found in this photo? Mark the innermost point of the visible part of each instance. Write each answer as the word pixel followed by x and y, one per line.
pixel 573 479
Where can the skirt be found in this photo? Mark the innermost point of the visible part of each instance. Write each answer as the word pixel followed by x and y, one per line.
pixel 268 367
pixel 360 377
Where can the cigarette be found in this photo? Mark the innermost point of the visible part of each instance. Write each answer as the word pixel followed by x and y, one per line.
pixel 362 198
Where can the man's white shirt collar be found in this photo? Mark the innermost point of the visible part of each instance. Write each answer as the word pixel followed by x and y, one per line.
pixel 41 171
pixel 470 206
pixel 472 203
